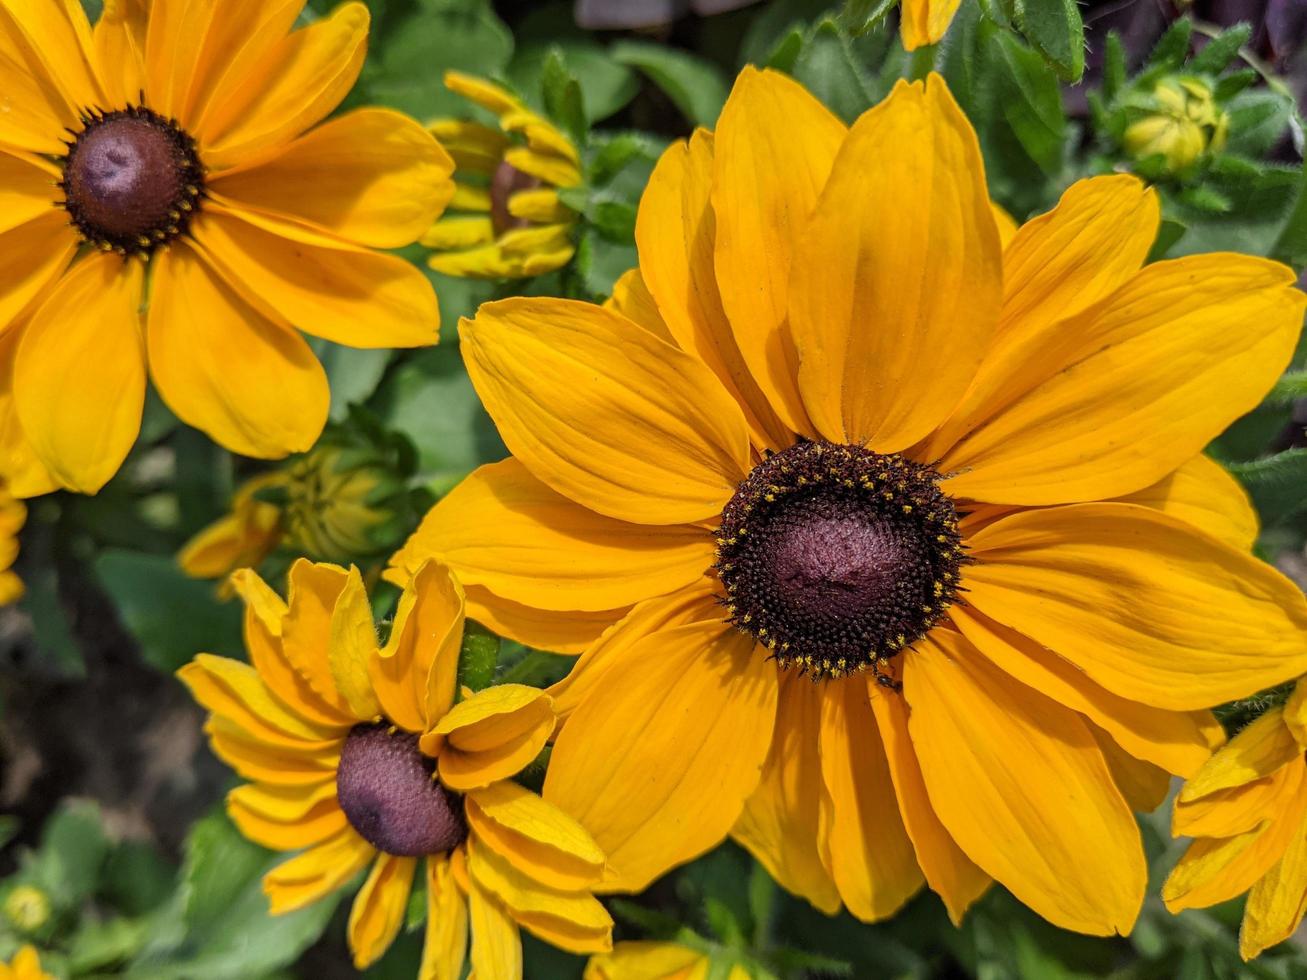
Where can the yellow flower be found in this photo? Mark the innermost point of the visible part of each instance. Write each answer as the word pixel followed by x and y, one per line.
pixel 510 224
pixel 1187 124
pixel 242 538
pixel 923 22
pixel 177 145
pixel 12 516
pixel 28 908
pixel 25 965
pixel 655 961
pixel 363 757
pixel 831 402
pixel 1247 810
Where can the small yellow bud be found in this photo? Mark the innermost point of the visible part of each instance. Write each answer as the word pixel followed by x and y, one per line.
pixel 1185 123
pixel 28 908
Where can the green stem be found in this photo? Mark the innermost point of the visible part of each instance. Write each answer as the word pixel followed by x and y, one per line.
pixel 923 62
pixel 478 658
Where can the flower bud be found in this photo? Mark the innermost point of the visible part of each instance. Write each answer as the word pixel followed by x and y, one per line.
pixel 1183 123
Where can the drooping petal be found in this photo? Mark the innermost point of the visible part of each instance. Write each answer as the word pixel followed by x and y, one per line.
pixel 1171 739
pixel 503 529
pixel 317 872
pixel 780 825
pixel 1203 493
pixel 949 872
pixel 223 367
pixel 1277 902
pixel 685 701
pixel 604 412
pixel 291 86
pixel 353 647
pixel 1265 745
pixel 541 840
pixel 1056 266
pixel 445 948
pixel 258 760
pixel 79 374
pixel 492 735
pixel 373 176
pixel 1147 607
pixel 1235 810
pixel 379 908
pixel 774 147
pixel 286 818
pixel 1000 762
pixel 323 286
pixel 866 847
pixel 675 231
pixel 896 288
pixel 1137 385
pixel 496 943
pixel 306 629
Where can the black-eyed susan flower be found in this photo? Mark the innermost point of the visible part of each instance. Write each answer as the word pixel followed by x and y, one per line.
pixel 180 147
pixel 26 965
pixel 507 221
pixel 923 22
pixel 12 516
pixel 883 525
pixel 362 757
pixel 656 961
pixel 1247 812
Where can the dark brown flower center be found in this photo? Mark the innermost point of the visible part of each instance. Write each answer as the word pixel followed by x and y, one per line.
pixel 389 792
pixel 836 558
pixel 132 180
pixel 506 182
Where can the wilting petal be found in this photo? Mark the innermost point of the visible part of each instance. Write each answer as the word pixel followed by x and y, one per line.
pixel 1000 762
pixel 1260 749
pixel 445 948
pixel 317 872
pixel 541 840
pixel 379 908
pixel 902 240
pixel 1277 902
pixel 1144 606
pixel 604 412
pixel 353 647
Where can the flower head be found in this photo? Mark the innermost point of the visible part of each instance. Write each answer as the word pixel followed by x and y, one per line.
pixel 1247 812
pixel 882 526
pixel 26 965
pixel 364 757
pixel 1184 122
pixel 182 150
pixel 510 222
pixel 12 516
pixel 27 907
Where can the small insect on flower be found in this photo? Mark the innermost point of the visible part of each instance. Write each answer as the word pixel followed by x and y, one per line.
pixel 363 756
pixel 172 159
pixel 882 525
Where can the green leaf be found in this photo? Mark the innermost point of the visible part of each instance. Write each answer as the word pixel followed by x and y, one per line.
pixel 99 945
pixel 1220 50
pixel 1054 28
pixel 606 85
pixel 1228 86
pixel 1169 52
pixel 829 69
pixel 353 374
pixel 1276 484
pixel 1291 245
pixel 861 16
pixel 696 86
pixel 615 153
pixel 786 52
pixel 171 616
pixel 1033 107
pixel 72 852
pixel 1113 66
pixel 562 95
pixel 1258 119
pixel 136 878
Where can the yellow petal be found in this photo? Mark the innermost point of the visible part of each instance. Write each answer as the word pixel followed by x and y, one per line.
pixel 461 232
pixel 1001 762
pixel 25 474
pixel 902 238
pixel 686 727
pixel 570 632
pixel 286 818
pixel 543 166
pixel 504 529
pixel 1143 785
pixel 379 908
pixel 949 872
pixel 414 676
pixel 1235 810
pixel 541 840
pixel 293 85
pixel 1277 902
pixel 775 145
pixel 260 761
pixel 79 375
pixel 317 872
pixel 39 108
pixel 646 961
pixel 675 231
pixel 373 176
pixel 1007 225
pixel 445 947
pixel 540 134
pixel 27 190
pixel 496 943
pixel 606 413
pixel 233 690
pixel 632 299
pixel 33 255
pixel 60 36
pixel 353 648
pixel 1056 266
pixel 1147 607
pixel 230 543
pixel 541 206
pixel 493 98
pixel 867 849
pixel 1137 385
pixel 306 630
pixel 492 735
pixel 923 22
pixel 1171 739
pixel 1203 493
pixel 327 288
pixel 780 825
pixel 1261 748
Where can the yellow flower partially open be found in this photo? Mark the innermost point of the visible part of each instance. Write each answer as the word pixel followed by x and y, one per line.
pixel 182 140
pixel 1247 812
pixel 832 402
pixel 12 516
pixel 362 756
pixel 508 221
pixel 26 965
